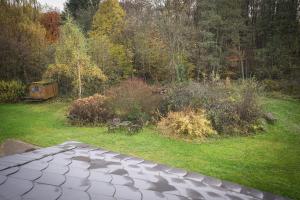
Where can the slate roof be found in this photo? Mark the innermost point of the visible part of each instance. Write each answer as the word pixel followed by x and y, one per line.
pixel 76 171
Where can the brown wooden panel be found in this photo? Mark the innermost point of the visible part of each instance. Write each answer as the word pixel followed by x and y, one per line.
pixel 43 91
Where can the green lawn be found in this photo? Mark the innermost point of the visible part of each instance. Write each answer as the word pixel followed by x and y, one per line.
pixel 269 161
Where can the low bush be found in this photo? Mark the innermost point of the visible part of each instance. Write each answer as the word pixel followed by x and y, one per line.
pixel 133 100
pixel 90 110
pixel 239 112
pixel 248 107
pixel 232 109
pixel 191 94
pixel 186 123
pixel 11 91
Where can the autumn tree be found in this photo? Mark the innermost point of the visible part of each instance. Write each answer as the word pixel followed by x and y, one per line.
pixel 112 58
pixel 108 20
pixel 73 67
pixel 51 22
pixel 151 54
pixel 104 47
pixel 22 41
pixel 175 26
pixel 157 40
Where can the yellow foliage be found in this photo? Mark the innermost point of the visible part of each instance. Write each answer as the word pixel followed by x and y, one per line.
pixel 114 59
pixel 94 72
pixel 188 123
pixel 57 70
pixel 109 19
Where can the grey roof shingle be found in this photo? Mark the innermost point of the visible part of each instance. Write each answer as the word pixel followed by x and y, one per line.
pixel 76 171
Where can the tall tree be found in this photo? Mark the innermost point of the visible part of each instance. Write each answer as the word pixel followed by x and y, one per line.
pixel 277 38
pixel 151 54
pixel 105 46
pixel 232 31
pixel 175 24
pixel 207 52
pixel 109 19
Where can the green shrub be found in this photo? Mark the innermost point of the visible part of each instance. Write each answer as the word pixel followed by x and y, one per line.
pixel 133 100
pixel 186 123
pixel 11 91
pixel 90 110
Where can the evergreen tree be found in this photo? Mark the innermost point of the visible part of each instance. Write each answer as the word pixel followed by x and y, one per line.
pixel 232 31
pixel 108 20
pixel 207 23
pixel 82 11
pixel 277 49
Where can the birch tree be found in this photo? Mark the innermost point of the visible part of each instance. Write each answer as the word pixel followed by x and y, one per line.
pixel 72 60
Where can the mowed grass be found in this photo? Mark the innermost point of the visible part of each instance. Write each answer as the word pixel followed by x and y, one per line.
pixel 269 161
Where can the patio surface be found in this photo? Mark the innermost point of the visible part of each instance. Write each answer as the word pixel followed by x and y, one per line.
pixel 77 171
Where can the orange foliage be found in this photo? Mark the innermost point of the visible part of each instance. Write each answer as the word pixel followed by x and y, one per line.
pixel 51 21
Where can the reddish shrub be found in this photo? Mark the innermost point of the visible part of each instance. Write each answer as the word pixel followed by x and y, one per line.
pixel 89 110
pixel 133 100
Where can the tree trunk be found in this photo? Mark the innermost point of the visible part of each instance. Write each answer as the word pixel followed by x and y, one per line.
pixel 79 80
pixel 25 74
pixel 242 69
pixel 241 57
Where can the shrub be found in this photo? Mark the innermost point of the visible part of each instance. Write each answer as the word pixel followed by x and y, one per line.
pixel 239 111
pixel 90 110
pixel 224 117
pixel 187 123
pixel 191 94
pixel 232 109
pixel 133 100
pixel 11 91
pixel 247 107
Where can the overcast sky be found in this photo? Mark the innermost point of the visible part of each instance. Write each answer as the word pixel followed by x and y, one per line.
pixel 59 4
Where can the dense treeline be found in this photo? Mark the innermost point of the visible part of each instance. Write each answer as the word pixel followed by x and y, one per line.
pixel 193 38
pixel 22 41
pixel 157 40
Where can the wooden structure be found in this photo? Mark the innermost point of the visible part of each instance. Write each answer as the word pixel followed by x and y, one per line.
pixel 43 90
